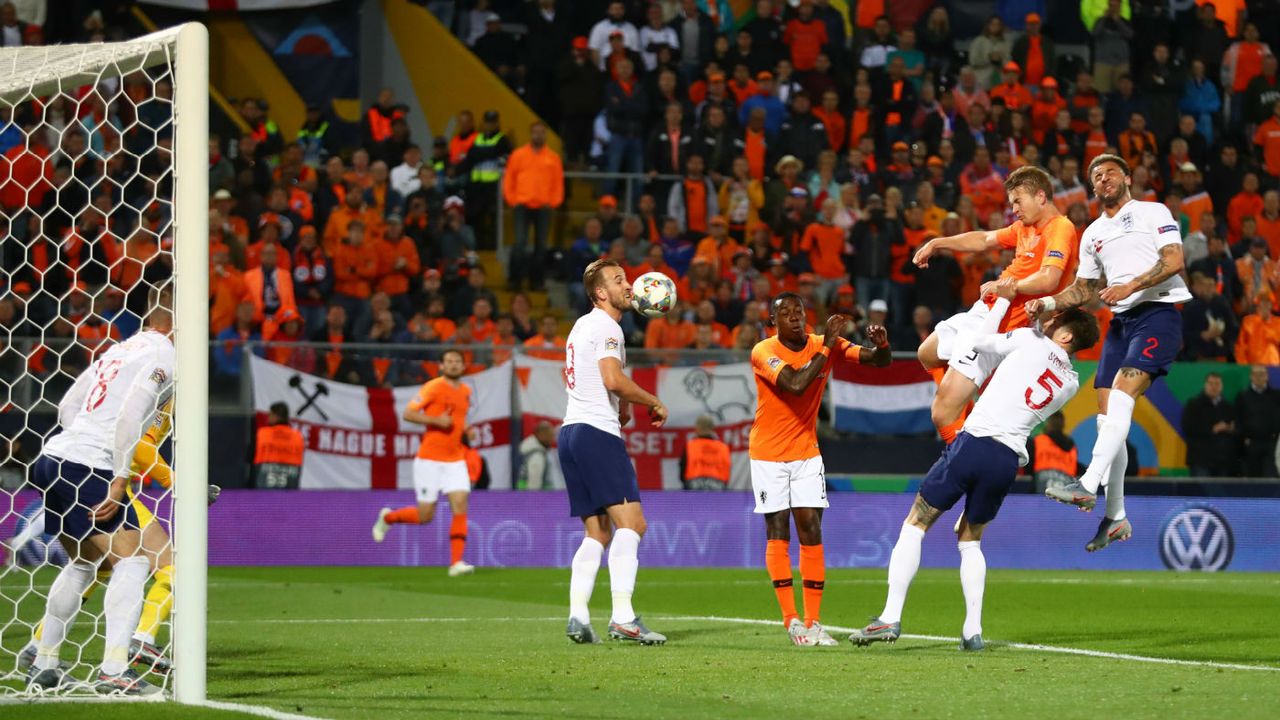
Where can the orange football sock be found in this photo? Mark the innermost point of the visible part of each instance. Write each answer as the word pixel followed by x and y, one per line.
pixel 777 560
pixel 407 515
pixel 937 374
pixel 813 573
pixel 457 537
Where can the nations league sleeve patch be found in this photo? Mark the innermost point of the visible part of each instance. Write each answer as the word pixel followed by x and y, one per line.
pixel 1168 228
pixel 774 363
pixel 1057 254
pixel 611 344
pixel 158 376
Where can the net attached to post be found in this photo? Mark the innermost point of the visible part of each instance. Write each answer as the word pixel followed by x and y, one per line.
pixel 87 189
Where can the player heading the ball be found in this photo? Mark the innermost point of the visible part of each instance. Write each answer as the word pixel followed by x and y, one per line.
pixel 1044 242
pixel 787 473
pixel 598 473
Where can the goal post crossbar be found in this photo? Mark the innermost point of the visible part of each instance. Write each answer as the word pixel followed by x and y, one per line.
pixel 35 71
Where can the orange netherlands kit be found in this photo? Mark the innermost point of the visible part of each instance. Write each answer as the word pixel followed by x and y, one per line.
pixel 786 425
pixel 1048 243
pixel 440 397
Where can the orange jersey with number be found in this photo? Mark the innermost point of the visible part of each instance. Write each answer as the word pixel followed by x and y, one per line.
pixel 1049 243
pixel 441 397
pixel 786 425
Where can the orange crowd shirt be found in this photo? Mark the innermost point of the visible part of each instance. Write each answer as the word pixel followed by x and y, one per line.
pixel 1048 243
pixel 786 425
pixel 441 397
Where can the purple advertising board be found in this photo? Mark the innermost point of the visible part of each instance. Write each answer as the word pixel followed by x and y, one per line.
pixel 533 529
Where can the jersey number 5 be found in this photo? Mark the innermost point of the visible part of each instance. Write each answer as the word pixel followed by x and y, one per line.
pixel 1046 381
pixel 569 378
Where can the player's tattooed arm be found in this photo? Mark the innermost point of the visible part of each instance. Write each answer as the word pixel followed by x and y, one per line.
pixel 1081 292
pixel 1167 265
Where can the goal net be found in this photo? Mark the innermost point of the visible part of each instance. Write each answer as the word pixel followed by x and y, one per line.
pixel 103 215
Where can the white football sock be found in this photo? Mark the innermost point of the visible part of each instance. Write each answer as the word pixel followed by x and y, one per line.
pixel 60 612
pixel 1115 484
pixel 903 564
pixel 586 563
pixel 123 604
pixel 973 580
pixel 33 529
pixel 624 561
pixel 1111 439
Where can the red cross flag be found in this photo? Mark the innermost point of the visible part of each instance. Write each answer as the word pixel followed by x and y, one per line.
pixel 355 436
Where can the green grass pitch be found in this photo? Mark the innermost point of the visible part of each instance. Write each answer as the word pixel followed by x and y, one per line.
pixel 411 643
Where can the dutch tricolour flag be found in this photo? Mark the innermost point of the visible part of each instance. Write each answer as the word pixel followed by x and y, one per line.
pixel 882 401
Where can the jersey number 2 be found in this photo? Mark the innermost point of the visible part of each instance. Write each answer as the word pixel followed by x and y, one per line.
pixel 569 378
pixel 1046 381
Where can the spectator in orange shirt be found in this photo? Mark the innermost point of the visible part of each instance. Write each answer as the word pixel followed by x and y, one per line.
pixel 1267 138
pixel 351 210
pixel 1259 275
pixel 671 331
pixel 503 339
pixel 1045 109
pixel 699 283
pixel 398 263
pixel 1259 338
pixel 1016 96
pixel 226 289
pixel 825 242
pixel 547 344
pixel 706 317
pixel 1269 222
pixel 655 261
pixel 1136 140
pixel 442 326
pixel 269 287
pixel 534 186
pixel 780 278
pixel 981 183
pixel 229 223
pixel 718 247
pixel 1246 203
pixel 355 269
pixel 481 320
pixel 805 35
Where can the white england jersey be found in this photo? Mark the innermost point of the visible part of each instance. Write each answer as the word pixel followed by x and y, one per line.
pixel 1125 246
pixel 594 336
pixel 112 402
pixel 1034 380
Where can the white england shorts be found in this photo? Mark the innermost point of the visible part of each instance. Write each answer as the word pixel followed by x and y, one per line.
pixel 784 485
pixel 970 363
pixel 430 478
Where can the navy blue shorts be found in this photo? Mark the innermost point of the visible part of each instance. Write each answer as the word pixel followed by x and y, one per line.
pixel 70 491
pixel 597 470
pixel 979 469
pixel 1147 337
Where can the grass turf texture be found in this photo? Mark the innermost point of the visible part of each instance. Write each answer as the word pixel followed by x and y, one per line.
pixel 410 642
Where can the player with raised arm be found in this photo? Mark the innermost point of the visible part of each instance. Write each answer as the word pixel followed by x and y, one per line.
pixel 787 474
pixel 1130 258
pixel 441 466
pixel 1033 380
pixel 1044 242
pixel 84 471
pixel 598 473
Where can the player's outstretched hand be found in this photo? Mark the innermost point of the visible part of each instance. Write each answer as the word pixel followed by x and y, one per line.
pixel 921 258
pixel 214 492
pixel 878 335
pixel 1035 308
pixel 1006 288
pixel 1116 293
pixel 658 415
pixel 110 505
pixel 835 326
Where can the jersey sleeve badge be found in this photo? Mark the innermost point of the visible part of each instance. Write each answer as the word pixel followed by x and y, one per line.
pixel 611 344
pixel 1168 228
pixel 774 363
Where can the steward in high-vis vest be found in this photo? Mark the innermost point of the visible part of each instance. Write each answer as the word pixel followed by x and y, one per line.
pixel 484 164
pixel 705 464
pixel 1053 453
pixel 277 459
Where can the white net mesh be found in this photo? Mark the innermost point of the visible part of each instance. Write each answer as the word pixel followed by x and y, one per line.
pixel 86 209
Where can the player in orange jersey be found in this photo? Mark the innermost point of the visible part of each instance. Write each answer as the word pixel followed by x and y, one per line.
pixel 1046 251
pixel 441 465
pixel 787 475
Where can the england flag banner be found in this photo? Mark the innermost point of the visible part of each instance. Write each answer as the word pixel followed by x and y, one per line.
pixel 882 401
pixel 726 393
pixel 355 436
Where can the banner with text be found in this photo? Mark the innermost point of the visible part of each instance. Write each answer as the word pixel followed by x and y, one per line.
pixel 727 393
pixel 355 436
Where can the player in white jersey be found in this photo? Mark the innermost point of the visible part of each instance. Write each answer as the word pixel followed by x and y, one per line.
pixel 84 471
pixel 598 473
pixel 1034 380
pixel 1131 258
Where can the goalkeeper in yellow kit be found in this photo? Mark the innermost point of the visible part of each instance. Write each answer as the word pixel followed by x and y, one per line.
pixel 147 463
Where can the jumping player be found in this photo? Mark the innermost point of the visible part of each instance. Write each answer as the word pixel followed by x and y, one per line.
pixel 598 473
pixel 1033 381
pixel 1044 241
pixel 84 471
pixel 1137 247
pixel 441 466
pixel 787 474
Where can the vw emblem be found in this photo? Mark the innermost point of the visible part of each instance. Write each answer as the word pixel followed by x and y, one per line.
pixel 1197 538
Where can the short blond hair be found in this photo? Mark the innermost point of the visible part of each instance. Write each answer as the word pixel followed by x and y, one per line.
pixel 593 276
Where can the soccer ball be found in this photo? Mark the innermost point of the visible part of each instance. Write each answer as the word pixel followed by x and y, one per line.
pixel 653 294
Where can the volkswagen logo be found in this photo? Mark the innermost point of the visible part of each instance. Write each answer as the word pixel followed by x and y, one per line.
pixel 1197 538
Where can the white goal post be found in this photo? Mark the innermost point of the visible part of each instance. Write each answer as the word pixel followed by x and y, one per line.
pixel 32 75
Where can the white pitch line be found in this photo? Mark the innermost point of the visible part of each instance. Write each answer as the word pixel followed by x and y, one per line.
pixel 754 621
pixel 258 710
